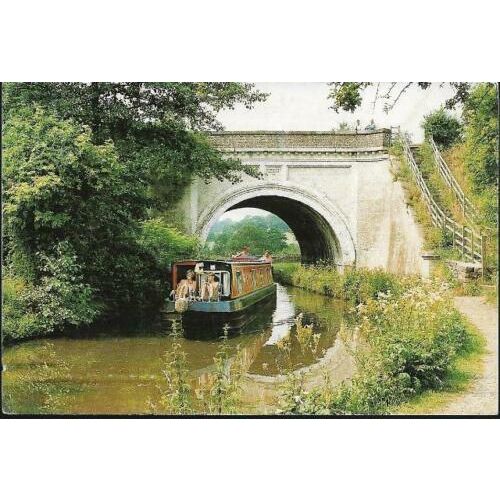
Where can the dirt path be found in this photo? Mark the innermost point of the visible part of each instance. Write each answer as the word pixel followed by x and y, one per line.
pixel 482 399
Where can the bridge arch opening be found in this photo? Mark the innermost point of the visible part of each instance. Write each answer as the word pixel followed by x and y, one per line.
pixel 321 231
pixel 314 236
pixel 258 229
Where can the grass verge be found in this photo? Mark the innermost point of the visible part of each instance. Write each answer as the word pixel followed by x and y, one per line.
pixel 414 351
pixel 466 368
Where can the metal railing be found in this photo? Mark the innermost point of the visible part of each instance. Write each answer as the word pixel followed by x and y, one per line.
pixel 468 209
pixel 287 258
pixel 469 242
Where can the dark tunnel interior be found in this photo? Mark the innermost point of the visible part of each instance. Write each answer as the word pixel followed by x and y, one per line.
pixel 316 238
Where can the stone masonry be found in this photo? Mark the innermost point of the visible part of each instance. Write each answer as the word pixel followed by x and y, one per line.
pixel 335 190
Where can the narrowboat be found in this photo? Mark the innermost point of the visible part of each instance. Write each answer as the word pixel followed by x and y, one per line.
pixel 239 284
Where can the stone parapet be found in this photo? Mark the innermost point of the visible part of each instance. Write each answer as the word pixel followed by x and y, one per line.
pixel 302 141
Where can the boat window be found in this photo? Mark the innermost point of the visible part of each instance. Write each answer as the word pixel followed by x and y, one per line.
pixel 239 281
pixel 254 278
pixel 225 283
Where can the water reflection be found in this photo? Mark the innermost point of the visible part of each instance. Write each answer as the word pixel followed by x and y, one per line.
pixel 283 315
pixel 109 372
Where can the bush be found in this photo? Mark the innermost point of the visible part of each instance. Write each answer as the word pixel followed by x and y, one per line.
pixel 354 285
pixel 481 136
pixel 16 321
pixel 406 344
pixel 166 243
pixel 60 300
pixel 443 127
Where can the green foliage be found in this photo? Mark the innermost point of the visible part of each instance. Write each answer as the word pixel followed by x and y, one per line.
pixel 61 188
pixel 347 96
pixel 443 127
pixel 406 344
pixel 151 124
pixel 291 399
pixel 221 395
pixel 17 322
pixel 58 185
pixel 166 243
pixel 481 136
pixel 218 394
pixel 474 163
pixel 440 191
pixel 60 300
pixel 110 107
pixel 471 288
pixel 434 238
pixel 259 233
pixel 177 398
pixel 355 285
pixel 84 166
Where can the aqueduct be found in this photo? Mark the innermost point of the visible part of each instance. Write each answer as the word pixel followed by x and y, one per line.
pixel 334 190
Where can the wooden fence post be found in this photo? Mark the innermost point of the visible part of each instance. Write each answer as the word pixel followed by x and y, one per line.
pixel 463 240
pixel 483 255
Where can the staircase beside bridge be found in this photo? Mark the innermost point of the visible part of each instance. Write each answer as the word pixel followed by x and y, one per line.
pixel 467 239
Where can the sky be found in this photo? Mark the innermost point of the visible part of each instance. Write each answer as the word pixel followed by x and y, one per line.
pixel 304 106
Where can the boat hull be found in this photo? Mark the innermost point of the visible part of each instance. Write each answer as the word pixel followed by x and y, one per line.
pixel 227 306
pixel 254 313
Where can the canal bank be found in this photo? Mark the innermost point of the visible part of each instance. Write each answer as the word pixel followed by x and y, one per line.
pixel 421 351
pixel 407 341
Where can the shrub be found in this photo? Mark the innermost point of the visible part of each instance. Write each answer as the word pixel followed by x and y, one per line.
pixel 354 285
pixel 221 393
pixel 177 397
pixel 406 344
pixel 166 243
pixel 16 321
pixel 481 136
pixel 444 128
pixel 59 300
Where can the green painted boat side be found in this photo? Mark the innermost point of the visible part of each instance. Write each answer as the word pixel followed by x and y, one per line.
pixel 228 306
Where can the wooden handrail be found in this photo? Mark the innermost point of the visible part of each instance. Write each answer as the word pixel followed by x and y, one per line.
pixel 467 239
pixel 468 209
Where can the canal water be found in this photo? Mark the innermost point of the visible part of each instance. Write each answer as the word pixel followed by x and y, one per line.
pixel 121 372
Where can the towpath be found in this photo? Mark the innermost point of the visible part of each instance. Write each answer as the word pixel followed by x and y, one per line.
pixel 482 398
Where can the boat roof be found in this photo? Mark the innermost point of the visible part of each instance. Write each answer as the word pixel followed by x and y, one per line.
pixel 236 260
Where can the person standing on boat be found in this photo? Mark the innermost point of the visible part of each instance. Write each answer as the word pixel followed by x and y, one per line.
pixel 245 252
pixel 267 257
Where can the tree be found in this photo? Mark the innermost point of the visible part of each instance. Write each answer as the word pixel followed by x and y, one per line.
pixel 88 170
pixel 61 188
pixel 347 96
pixel 257 232
pixel 480 114
pixel 155 127
pixel 443 127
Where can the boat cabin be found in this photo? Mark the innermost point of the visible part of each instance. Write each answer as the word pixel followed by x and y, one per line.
pixel 236 277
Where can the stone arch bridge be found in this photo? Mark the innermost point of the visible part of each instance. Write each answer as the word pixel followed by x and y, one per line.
pixel 334 190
